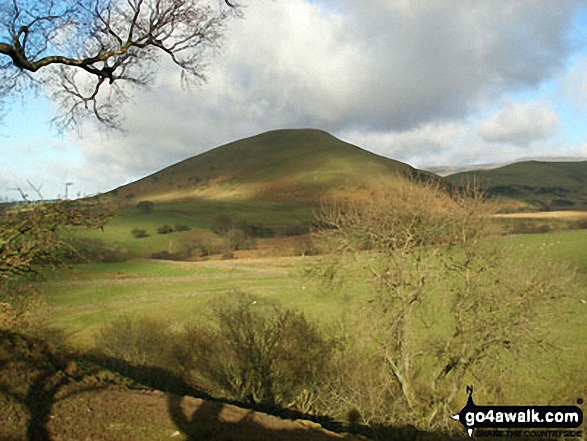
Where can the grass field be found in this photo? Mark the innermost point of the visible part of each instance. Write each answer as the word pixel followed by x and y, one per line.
pixel 198 216
pixel 85 297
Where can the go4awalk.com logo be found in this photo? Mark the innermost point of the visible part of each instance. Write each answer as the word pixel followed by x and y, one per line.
pixel 562 418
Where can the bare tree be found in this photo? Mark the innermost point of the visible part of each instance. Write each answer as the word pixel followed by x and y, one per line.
pixel 447 305
pixel 71 49
pixel 31 236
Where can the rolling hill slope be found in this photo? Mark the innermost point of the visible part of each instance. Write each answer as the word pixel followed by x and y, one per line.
pixel 544 185
pixel 284 166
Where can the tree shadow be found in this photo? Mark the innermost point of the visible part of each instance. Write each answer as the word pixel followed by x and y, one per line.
pixel 217 421
pixel 37 377
pixel 213 419
pixel 32 374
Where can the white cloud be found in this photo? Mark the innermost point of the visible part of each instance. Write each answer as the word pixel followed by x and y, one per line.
pixel 406 78
pixel 521 124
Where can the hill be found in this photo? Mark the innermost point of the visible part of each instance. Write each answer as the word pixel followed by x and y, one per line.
pixel 543 185
pixel 284 166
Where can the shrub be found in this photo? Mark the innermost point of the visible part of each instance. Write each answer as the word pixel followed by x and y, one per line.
pixel 254 230
pixel 139 233
pixel 144 341
pixel 145 206
pixel 164 229
pixel 84 250
pixel 530 228
pixel 181 227
pixel 203 246
pixel 236 240
pixel 257 352
pixel 221 225
pixel 305 246
pixel 166 255
pixel 295 230
pixel 19 307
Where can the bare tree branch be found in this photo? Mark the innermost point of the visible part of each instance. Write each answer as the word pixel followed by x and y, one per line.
pixel 43 43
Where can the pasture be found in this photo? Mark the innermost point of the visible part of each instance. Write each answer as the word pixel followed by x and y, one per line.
pixel 86 297
pixel 82 298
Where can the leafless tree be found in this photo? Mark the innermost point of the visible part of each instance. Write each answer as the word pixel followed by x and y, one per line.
pixel 72 49
pixel 448 305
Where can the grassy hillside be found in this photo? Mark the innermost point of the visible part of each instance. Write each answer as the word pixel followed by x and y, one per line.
pixel 276 179
pixel 544 185
pixel 283 166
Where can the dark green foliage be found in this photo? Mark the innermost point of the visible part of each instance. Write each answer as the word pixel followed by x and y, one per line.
pixel 530 228
pixel 221 225
pixel 139 233
pixel 181 227
pixel 164 229
pixel 295 230
pixel 166 255
pixel 254 230
pixel 85 250
pixel 145 206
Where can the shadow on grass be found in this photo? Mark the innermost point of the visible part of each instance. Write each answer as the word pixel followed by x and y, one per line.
pixel 34 377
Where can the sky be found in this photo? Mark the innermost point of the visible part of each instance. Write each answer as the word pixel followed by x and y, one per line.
pixel 427 82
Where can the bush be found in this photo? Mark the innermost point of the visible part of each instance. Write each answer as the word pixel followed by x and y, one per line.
pixel 254 230
pixel 530 228
pixel 145 206
pixel 140 342
pixel 305 246
pixel 19 307
pixel 139 233
pixel 166 255
pixel 181 227
pixel 164 229
pixel 84 250
pixel 236 240
pixel 295 230
pixel 258 353
pixel 203 246
pixel 221 225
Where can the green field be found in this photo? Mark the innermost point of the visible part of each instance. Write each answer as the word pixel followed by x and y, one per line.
pixel 85 297
pixel 197 215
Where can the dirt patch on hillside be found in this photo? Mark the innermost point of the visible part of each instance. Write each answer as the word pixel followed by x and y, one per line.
pixel 119 414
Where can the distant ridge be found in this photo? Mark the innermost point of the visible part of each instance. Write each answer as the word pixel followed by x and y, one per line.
pixel 447 170
pixel 300 165
pixel 560 185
